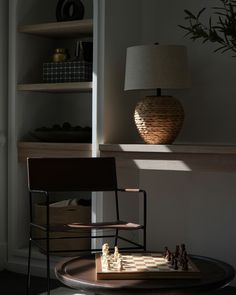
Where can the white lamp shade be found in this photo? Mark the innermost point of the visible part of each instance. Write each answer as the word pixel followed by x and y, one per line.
pixel 156 66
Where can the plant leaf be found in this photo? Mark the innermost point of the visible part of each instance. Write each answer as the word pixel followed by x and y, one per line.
pixel 221 30
pixel 200 12
pixel 190 14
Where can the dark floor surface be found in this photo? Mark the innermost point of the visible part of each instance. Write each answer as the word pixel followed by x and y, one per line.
pixel 15 283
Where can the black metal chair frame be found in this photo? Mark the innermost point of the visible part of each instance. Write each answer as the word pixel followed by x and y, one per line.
pixel 42 180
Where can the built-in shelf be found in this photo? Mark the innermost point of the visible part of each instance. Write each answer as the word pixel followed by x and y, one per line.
pixel 185 158
pixel 46 149
pixel 56 87
pixel 174 148
pixel 60 29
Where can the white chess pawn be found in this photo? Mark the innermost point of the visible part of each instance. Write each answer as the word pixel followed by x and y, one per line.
pixel 116 253
pixel 106 264
pixel 105 249
pixel 104 261
pixel 105 256
pixel 119 263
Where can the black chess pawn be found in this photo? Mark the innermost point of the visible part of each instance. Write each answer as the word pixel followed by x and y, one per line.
pixel 172 260
pixel 176 263
pixel 185 261
pixel 182 248
pixel 181 251
pixel 185 264
pixel 185 254
pixel 180 260
pixel 177 251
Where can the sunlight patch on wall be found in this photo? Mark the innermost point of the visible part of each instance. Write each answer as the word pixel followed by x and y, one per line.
pixel 170 165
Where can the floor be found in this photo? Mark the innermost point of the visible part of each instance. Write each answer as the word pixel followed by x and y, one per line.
pixel 15 283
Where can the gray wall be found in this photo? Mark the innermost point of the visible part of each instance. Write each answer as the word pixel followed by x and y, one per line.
pixel 3 126
pixel 194 206
pixel 210 103
pixel 122 29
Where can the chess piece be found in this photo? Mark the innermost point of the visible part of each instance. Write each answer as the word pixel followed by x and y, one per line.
pixel 104 263
pixel 116 253
pixel 177 251
pixel 185 261
pixel 185 266
pixel 108 264
pixel 182 249
pixel 172 260
pixel 182 253
pixel 165 252
pixel 105 256
pixel 175 263
pixel 105 249
pixel 168 256
pixel 119 263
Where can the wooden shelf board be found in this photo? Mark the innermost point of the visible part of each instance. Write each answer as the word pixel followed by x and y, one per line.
pixel 56 87
pixel 66 29
pixel 176 157
pixel 169 149
pixel 52 149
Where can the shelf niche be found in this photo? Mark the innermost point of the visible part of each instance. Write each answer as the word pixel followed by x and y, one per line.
pixel 51 149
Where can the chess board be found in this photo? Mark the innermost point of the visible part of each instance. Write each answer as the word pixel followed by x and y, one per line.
pixel 144 266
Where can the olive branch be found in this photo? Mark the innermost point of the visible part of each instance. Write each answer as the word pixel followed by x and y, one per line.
pixel 223 31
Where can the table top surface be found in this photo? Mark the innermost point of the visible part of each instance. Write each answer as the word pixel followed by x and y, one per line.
pixel 80 273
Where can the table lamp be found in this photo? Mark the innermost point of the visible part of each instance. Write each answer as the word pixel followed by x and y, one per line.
pixel 158 118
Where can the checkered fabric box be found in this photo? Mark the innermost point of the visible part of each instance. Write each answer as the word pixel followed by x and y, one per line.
pixel 71 71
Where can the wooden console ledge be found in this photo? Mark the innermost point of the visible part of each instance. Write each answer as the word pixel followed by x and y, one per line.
pixel 174 157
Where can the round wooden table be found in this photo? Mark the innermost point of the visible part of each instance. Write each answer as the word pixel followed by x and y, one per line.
pixel 79 273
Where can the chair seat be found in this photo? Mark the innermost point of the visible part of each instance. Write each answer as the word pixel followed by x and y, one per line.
pixel 122 225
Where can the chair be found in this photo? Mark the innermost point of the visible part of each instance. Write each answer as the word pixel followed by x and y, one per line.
pixel 49 175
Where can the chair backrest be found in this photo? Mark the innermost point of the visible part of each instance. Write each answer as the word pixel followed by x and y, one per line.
pixel 71 174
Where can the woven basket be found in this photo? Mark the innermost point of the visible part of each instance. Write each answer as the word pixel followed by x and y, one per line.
pixel 159 119
pixel 64 215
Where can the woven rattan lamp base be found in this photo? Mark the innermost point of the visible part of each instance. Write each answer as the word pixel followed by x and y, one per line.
pixel 159 119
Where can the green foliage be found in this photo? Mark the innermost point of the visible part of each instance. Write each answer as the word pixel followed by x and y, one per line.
pixel 223 31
